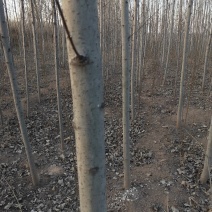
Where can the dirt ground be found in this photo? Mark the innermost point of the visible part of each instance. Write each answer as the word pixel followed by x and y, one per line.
pixel 166 163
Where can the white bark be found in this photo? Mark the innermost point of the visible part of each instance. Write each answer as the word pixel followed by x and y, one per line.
pixel 12 75
pixel 184 62
pixel 125 90
pixel 87 94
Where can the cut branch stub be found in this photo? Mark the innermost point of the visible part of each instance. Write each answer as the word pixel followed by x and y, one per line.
pixel 80 61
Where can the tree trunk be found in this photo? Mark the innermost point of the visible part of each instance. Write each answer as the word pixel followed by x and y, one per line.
pixel 165 24
pixel 35 49
pixel 178 46
pixel 12 75
pixel 133 59
pixel 170 42
pixel 57 77
pixel 24 55
pixel 142 41
pixel 40 33
pixel 208 158
pixel 210 88
pixel 87 93
pixel 7 18
pixel 125 90
pixel 63 45
pixel 206 60
pixel 18 26
pixel 184 62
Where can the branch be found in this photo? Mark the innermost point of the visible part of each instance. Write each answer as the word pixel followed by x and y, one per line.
pixel 67 31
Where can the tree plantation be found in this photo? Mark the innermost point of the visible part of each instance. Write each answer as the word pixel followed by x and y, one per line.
pixel 105 105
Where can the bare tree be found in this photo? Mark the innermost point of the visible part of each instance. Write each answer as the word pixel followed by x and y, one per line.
pixel 206 59
pixel 178 44
pixel 170 42
pixel 184 62
pixel 208 158
pixel 142 46
pixel 87 93
pixel 165 23
pixel 57 76
pixel 134 42
pixel 12 75
pixel 24 55
pixel 35 48
pixel 64 48
pixel 125 90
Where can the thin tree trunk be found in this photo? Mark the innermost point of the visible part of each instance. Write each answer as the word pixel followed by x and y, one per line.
pixel 208 158
pixel 125 90
pixel 87 93
pixel 35 49
pixel 63 44
pixel 178 47
pixel 24 55
pixel 1 115
pixel 184 62
pixel 39 4
pixel 156 13
pixel 206 60
pixel 57 77
pixel 170 42
pixel 210 88
pixel 165 5
pixel 145 28
pixel 7 18
pixel 18 26
pixel 141 69
pixel 39 12
pixel 133 60
pixel 12 75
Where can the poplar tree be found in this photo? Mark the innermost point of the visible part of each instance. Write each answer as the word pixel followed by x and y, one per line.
pixel 14 85
pixel 83 43
pixel 125 90
pixel 184 63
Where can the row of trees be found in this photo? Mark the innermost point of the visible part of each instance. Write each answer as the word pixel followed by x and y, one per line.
pixel 159 27
pixel 87 93
pixel 164 33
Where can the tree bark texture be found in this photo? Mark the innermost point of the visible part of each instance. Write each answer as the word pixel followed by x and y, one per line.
pixel 88 106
